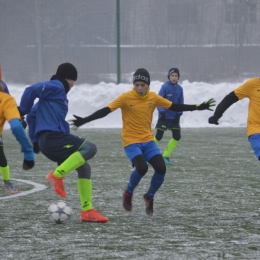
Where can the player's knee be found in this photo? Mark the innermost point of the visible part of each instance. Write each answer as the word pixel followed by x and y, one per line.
pixel 142 168
pixel 160 168
pixel 88 150
pixel 176 135
pixel 158 164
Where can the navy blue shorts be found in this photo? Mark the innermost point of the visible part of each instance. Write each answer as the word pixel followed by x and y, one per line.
pixel 59 146
pixel 167 124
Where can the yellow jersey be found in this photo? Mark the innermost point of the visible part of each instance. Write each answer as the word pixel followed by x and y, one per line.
pixel 137 115
pixel 251 89
pixel 8 109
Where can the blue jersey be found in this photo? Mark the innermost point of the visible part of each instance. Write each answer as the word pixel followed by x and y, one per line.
pixel 174 93
pixel 49 112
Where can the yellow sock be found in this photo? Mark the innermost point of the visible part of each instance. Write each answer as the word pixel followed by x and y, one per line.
pixel 71 163
pixel 85 193
pixel 5 173
pixel 170 147
pixel 156 141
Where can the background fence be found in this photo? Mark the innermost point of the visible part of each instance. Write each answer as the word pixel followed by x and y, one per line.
pixel 208 40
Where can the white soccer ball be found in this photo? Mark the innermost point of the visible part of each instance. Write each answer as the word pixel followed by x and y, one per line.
pixel 60 211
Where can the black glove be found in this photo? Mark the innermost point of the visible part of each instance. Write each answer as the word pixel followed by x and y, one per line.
pixel 213 120
pixel 79 121
pixel 24 123
pixel 207 105
pixel 36 148
pixel 27 165
pixel 162 116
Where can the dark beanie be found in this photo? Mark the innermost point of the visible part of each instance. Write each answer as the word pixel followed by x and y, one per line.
pixel 176 70
pixel 141 75
pixel 67 71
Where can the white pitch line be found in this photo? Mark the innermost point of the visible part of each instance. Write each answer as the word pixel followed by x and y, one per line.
pixel 37 187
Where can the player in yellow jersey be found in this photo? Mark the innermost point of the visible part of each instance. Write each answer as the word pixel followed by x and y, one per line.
pixel 137 108
pixel 9 112
pixel 251 90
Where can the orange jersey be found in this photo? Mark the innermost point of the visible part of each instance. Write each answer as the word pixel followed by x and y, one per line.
pixel 8 109
pixel 137 115
pixel 251 89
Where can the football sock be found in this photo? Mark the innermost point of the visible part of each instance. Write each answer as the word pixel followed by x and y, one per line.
pixel 5 173
pixel 170 147
pixel 133 181
pixel 85 193
pixel 156 141
pixel 156 182
pixel 71 163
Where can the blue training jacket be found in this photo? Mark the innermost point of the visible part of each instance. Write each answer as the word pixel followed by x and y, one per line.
pixel 6 90
pixel 49 112
pixel 174 93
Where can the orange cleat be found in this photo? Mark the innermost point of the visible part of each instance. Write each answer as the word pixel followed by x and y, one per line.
pixel 92 215
pixel 57 184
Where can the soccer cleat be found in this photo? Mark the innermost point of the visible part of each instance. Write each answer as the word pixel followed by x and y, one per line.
pixel 127 200
pixel 56 183
pixel 10 187
pixel 167 161
pixel 92 215
pixel 148 205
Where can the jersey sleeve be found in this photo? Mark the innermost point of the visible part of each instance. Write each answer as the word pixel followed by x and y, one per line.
pixel 244 90
pixel 117 103
pixel 10 110
pixel 163 102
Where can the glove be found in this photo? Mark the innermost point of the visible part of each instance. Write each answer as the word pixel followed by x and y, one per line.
pixel 162 116
pixel 207 105
pixel 213 120
pixel 75 123
pixel 36 148
pixel 24 123
pixel 27 165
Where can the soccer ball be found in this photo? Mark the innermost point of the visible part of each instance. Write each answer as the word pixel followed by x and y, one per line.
pixel 60 211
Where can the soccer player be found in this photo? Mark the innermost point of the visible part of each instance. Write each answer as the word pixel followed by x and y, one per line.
pixel 9 112
pixel 50 134
pixel 137 108
pixel 251 90
pixel 168 119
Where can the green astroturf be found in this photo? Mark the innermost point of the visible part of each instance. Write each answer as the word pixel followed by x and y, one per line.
pixel 207 208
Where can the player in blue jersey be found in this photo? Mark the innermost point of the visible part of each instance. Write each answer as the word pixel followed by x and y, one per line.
pixel 168 119
pixel 50 133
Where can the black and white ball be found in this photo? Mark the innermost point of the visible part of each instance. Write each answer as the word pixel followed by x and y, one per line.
pixel 60 211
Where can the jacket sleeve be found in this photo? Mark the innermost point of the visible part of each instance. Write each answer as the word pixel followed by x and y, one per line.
pixel 226 102
pixel 161 93
pixel 27 99
pixel 98 114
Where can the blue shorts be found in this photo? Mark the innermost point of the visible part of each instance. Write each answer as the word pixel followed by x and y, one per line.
pixel 59 146
pixel 147 149
pixel 254 140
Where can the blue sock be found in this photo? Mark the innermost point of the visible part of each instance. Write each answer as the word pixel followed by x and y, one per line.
pixel 133 181
pixel 156 182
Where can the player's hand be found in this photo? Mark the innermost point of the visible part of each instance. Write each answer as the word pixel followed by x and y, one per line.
pixel 213 120
pixel 162 116
pixel 36 148
pixel 27 165
pixel 77 122
pixel 24 123
pixel 207 105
